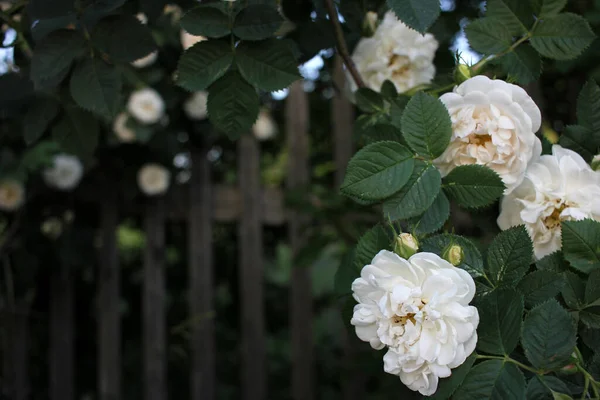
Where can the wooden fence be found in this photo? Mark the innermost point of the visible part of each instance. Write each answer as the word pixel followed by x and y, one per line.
pixel 200 203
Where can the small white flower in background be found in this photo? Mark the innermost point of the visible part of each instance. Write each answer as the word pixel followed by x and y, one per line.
pixel 142 18
pixel 558 187
pixel 395 52
pixel 154 179
pixel 146 105
pixel 65 173
pixel 174 11
pixel 122 132
pixel 188 40
pixel 265 127
pixel 419 309
pixel 146 61
pixel 493 124
pixel 195 105
pixel 12 194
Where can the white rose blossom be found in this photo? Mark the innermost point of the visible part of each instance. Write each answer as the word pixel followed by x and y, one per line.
pixel 419 309
pixel 65 173
pixel 265 127
pixel 12 194
pixel 146 105
pixel 558 187
pixel 188 40
pixel 397 53
pixel 146 61
pixel 493 124
pixel 122 132
pixel 195 105
pixel 154 179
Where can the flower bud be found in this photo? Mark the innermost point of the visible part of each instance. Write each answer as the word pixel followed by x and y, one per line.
pixel 462 73
pixel 549 133
pixel 596 162
pixel 406 245
pixel 569 369
pixel 454 255
pixel 52 228
pixel 370 23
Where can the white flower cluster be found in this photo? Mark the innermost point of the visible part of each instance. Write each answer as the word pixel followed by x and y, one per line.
pixel 419 310
pixel 195 106
pixel 146 105
pixel 65 173
pixel 12 194
pixel 265 127
pixel 154 179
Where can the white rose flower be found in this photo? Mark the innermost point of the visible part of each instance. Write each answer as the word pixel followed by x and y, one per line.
pixel 146 105
pixel 146 61
pixel 123 133
pixel 188 40
pixel 154 179
pixel 558 187
pixel 395 52
pixel 265 127
pixel 142 18
pixel 12 195
pixel 195 105
pixel 493 124
pixel 65 173
pixel 419 309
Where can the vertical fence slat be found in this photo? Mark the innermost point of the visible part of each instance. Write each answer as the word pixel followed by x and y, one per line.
pixel 301 313
pixel 14 380
pixel 62 340
pixel 109 318
pixel 203 377
pixel 154 334
pixel 254 378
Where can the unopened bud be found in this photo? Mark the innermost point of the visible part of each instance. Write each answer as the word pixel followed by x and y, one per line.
pixel 52 228
pixel 569 369
pixel 406 245
pixel 596 162
pixel 370 23
pixel 454 255
pixel 462 73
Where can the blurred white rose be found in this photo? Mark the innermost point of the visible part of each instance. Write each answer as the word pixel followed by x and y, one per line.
pixel 188 40
pixel 493 124
pixel 265 127
pixel 65 173
pixel 395 52
pixel 419 309
pixel 174 11
pixel 146 105
pixel 123 133
pixel 154 179
pixel 195 105
pixel 146 61
pixel 558 187
pixel 12 194
pixel 142 18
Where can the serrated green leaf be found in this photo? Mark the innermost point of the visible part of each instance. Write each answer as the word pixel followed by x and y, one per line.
pixel 473 186
pixel 501 314
pixel 368 100
pixel 206 21
pixel 257 22
pixel 541 387
pixel 579 139
pixel 447 386
pixel 509 256
pixel 345 274
pixel 203 64
pixel 38 117
pixel 540 286
pixel 123 38
pixel 548 8
pixel 269 65
pixel 96 86
pixel 552 262
pixel 378 171
pixel 53 57
pixel 388 90
pixel 77 132
pixel 581 244
pixel 472 263
pixel 573 291
pixel 380 132
pixel 434 218
pixel 416 195
pixel 233 104
pixel 426 125
pixel 549 336
pixel 417 14
pixel 588 106
pixel 590 317
pixel 376 239
pixel 488 36
pixel 516 15
pixel 523 64
pixel 492 379
pixel 592 288
pixel 562 37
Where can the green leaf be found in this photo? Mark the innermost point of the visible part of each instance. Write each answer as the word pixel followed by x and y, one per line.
pixel 39 115
pixel 77 132
pixel 416 195
pixel 378 171
pixel 123 38
pixel 488 36
pixel 388 90
pixel 592 288
pixel 509 256
pixel 472 263
pixel 257 22
pixel 473 186
pixel 269 65
pixel 417 14
pixel 501 314
pixel 515 15
pixel 368 100
pixel 380 132
pixel 548 8
pixel 590 317
pixel 574 291
pixel 552 262
pixel 376 239
pixel 96 86
pixel 39 156
pixel 492 379
pixel 523 64
pixel 447 386
pixel 233 104
pixel 434 218
pixel 44 9
pixel 588 106
pixel 542 387
pixel 346 274
pixel 581 140
pixel 53 57
pixel 426 125
pixel 562 37
pixel 206 21
pixel 540 286
pixel 581 244
pixel 549 336
pixel 203 64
